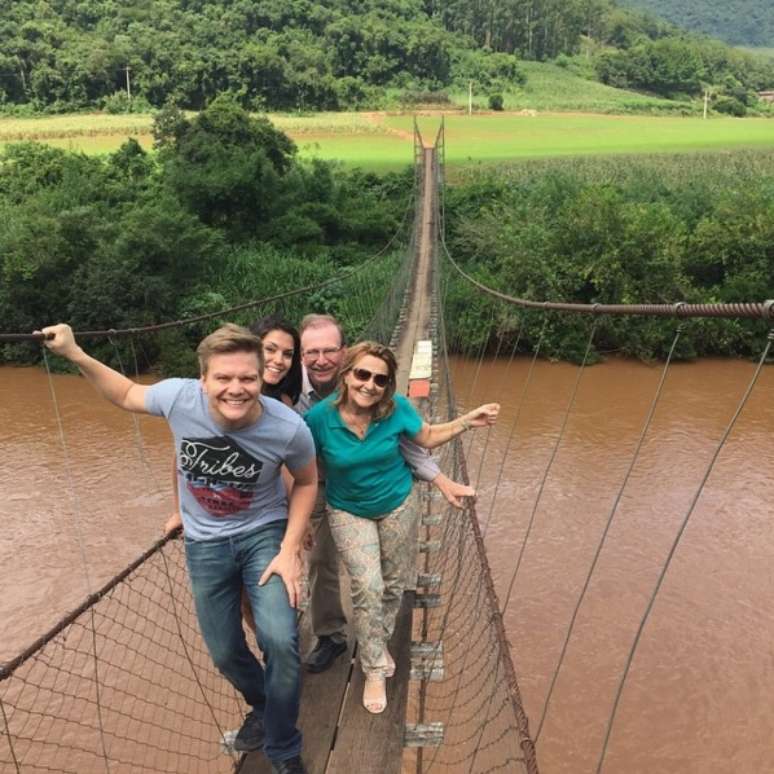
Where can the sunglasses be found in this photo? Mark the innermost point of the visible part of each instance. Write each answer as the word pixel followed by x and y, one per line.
pixel 363 375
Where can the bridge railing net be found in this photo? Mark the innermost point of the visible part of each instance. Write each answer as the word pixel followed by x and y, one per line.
pixel 125 686
pixel 124 683
pixel 478 700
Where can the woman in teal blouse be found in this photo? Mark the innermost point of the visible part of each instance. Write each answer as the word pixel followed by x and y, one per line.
pixel 357 432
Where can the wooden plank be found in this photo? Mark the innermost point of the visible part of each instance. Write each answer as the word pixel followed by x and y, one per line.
pixel 373 744
pixel 321 697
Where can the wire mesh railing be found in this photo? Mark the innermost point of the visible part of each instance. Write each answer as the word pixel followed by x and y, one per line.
pixel 478 701
pixel 123 684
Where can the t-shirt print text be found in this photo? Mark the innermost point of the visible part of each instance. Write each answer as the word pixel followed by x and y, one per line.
pixel 219 473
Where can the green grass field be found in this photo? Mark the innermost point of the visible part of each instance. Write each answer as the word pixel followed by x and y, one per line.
pixel 500 137
pixel 758 50
pixel 382 142
pixel 553 88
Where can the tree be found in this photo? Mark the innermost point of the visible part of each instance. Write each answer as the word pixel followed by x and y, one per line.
pixel 228 167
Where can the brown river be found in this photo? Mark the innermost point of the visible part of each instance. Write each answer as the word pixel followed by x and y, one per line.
pixel 699 698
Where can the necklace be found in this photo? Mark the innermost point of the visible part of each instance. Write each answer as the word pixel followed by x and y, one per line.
pixel 358 427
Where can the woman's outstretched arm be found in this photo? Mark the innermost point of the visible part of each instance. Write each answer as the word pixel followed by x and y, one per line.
pixel 431 436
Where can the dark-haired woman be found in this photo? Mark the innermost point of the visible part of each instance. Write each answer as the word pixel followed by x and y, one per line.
pixel 357 432
pixel 282 375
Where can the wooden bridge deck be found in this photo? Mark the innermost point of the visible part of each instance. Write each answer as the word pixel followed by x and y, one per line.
pixel 340 736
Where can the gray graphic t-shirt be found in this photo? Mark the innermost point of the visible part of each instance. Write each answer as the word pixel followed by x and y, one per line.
pixel 229 481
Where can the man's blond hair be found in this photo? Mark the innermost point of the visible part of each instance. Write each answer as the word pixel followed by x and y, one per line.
pixel 226 339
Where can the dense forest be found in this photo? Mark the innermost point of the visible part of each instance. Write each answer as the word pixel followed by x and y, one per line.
pixel 741 22
pixel 64 55
pixel 658 229
pixel 223 212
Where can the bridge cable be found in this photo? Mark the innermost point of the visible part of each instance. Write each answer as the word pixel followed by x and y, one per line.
pixel 763 310
pixel 138 439
pixel 511 433
pixel 500 391
pixel 608 524
pixel 476 375
pixel 676 542
pixel 552 458
pixel 82 552
pixel 490 428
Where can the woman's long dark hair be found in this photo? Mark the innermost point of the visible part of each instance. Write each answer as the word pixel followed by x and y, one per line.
pixel 290 384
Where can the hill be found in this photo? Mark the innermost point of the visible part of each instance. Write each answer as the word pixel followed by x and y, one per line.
pixel 61 55
pixel 740 22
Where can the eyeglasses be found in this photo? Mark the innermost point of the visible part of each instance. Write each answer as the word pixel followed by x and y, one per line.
pixel 363 375
pixel 316 354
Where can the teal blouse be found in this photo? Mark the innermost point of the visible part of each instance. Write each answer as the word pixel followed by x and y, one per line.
pixel 366 477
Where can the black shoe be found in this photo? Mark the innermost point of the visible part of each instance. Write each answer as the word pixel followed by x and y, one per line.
pixel 324 654
pixel 250 736
pixel 290 766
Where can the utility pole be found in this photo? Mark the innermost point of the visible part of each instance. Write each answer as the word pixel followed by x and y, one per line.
pixel 706 101
pixel 128 86
pixel 470 97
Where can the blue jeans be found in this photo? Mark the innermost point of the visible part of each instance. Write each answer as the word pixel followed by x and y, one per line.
pixel 218 570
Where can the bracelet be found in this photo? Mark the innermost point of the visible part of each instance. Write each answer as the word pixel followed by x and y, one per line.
pixel 465 424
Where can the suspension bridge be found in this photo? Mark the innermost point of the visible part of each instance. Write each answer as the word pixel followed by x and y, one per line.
pixel 124 684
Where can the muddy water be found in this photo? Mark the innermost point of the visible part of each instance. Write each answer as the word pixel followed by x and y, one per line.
pixel 698 698
pixel 71 516
pixel 699 694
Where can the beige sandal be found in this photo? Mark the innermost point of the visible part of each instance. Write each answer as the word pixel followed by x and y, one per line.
pixel 375 694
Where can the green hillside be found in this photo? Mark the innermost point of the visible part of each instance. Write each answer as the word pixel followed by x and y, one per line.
pixel 741 22
pixel 60 56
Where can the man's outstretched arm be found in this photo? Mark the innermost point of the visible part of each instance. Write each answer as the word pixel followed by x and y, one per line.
pixel 110 384
pixel 453 490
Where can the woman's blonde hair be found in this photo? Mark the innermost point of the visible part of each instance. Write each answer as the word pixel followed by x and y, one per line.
pixel 226 339
pixel 355 353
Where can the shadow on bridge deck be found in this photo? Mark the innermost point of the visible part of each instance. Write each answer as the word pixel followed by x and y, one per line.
pixel 340 736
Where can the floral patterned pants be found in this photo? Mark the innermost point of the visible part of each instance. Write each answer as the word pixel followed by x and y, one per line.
pixel 377 557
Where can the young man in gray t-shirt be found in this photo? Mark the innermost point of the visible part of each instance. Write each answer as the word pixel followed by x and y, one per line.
pixel 240 527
